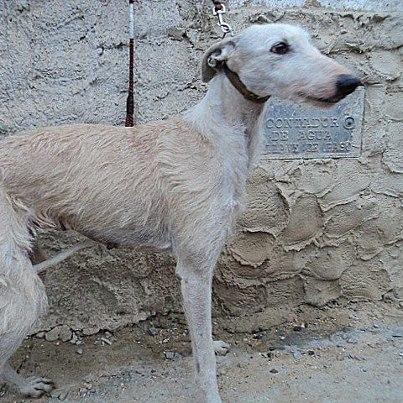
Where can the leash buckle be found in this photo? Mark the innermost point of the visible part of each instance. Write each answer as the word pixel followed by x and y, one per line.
pixel 219 13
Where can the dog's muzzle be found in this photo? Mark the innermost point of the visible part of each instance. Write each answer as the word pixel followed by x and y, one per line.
pixel 345 85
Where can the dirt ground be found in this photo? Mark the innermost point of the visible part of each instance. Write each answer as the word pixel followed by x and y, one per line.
pixel 348 353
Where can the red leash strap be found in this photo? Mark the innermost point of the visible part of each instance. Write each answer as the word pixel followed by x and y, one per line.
pixel 130 97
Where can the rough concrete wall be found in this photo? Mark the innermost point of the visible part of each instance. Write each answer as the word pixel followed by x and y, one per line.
pixel 314 231
pixel 367 5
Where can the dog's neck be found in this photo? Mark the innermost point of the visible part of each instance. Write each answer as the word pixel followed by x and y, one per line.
pixel 223 110
pixel 233 108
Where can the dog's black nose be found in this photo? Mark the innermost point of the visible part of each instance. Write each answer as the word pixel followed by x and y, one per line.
pixel 346 84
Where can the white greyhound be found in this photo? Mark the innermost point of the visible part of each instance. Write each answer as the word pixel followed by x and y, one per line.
pixel 175 185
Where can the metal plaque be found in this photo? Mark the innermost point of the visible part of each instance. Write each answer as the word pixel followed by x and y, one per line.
pixel 301 131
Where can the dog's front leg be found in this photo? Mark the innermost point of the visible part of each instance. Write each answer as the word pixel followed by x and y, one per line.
pixel 196 283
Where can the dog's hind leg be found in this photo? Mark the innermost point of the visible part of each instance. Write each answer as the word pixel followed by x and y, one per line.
pixel 22 301
pixel 196 284
pixel 33 386
pixel 22 295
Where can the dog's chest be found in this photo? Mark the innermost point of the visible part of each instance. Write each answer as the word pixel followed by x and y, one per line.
pixel 235 171
pixel 236 157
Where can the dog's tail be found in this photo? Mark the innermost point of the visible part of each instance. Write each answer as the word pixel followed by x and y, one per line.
pixel 22 294
pixel 40 267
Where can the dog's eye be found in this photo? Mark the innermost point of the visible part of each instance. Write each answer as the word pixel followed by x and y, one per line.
pixel 280 48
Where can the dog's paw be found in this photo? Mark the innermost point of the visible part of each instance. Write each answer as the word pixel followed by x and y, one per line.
pixel 36 386
pixel 221 347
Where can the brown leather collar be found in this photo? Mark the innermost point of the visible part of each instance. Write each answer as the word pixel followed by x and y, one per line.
pixel 240 86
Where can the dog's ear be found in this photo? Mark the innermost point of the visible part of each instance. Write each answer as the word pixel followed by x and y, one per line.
pixel 218 53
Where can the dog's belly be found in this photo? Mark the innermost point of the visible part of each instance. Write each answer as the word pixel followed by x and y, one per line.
pixel 130 238
pixel 131 231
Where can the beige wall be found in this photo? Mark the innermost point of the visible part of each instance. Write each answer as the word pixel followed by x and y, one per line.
pixel 315 230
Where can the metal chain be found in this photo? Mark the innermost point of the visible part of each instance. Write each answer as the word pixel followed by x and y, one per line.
pixel 219 10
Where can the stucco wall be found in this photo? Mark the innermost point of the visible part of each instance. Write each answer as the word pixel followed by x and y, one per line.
pixel 314 231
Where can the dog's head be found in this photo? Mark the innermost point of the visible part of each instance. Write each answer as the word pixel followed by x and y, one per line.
pixel 279 59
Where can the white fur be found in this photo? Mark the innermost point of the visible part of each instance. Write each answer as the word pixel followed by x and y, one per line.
pixel 176 184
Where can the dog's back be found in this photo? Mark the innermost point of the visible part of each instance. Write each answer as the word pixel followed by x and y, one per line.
pixel 102 181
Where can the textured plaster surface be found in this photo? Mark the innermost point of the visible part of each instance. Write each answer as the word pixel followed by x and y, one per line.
pixel 382 5
pixel 314 230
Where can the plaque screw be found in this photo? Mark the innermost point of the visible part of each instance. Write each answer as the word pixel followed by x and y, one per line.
pixel 349 122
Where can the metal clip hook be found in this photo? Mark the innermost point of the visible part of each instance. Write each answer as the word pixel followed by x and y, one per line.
pixel 225 28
